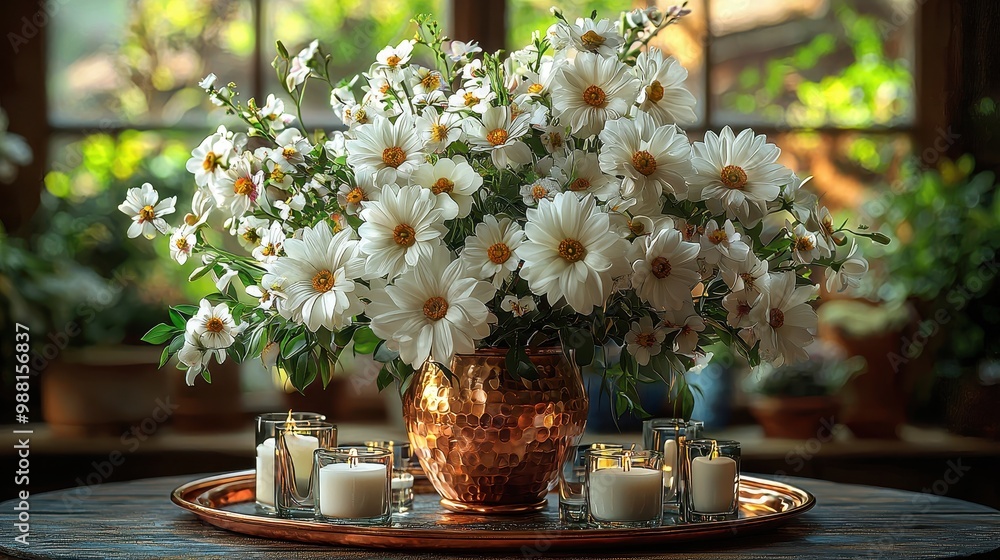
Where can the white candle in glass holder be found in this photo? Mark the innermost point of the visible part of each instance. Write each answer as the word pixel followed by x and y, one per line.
pixel 300 448
pixel 670 468
pixel 352 490
pixel 265 472
pixel 713 484
pixel 616 494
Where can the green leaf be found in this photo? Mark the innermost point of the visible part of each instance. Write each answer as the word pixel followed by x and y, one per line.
pixel 164 357
pixel 385 378
pixel 186 309
pixel 291 347
pixel 177 319
pixel 176 344
pixel 343 337
pixel 160 334
pixel 384 354
pixel 365 341
pixel 281 49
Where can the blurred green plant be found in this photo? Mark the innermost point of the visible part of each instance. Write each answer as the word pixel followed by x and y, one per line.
pixel 817 377
pixel 525 16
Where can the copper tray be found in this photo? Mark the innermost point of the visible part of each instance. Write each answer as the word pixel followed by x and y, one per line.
pixel 227 501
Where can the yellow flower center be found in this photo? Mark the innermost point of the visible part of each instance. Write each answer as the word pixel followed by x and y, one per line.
pixel 637 227
pixel 535 88
pixel 556 140
pixel 660 267
pixel 394 156
pixel 539 192
pixel 431 81
pixel 645 339
pixel 592 39
pixel 190 219
pixel 470 99
pixel 211 162
pixel 804 244
pixel 355 196
pixel 497 136
pixel 251 236
pixel 214 325
pixel 718 236
pixel 442 185
pixel 644 162
pixel 384 88
pixel 748 280
pixel 361 116
pixel 498 253
pixel 146 213
pixel 323 281
pixel 182 244
pixel 654 91
pixel 594 96
pixel 734 177
pixel 289 152
pixel 404 235
pixel 579 184
pixel 828 226
pixel 777 318
pixel 439 132
pixel 435 308
pixel 244 187
pixel 277 175
pixel 572 250
pixel 393 61
pixel 743 309
pixel 269 250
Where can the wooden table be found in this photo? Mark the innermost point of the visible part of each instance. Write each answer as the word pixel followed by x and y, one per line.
pixel 136 520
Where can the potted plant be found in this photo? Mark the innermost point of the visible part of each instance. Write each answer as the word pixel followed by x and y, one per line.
pixel 483 227
pixel 798 401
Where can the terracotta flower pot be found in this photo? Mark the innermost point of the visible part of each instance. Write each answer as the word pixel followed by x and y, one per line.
pixel 795 417
pixel 488 441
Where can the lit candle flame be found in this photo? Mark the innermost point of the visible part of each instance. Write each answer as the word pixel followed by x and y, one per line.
pixel 290 422
pixel 627 459
pixel 352 458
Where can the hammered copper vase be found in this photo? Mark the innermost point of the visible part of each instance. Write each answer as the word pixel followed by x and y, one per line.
pixel 490 442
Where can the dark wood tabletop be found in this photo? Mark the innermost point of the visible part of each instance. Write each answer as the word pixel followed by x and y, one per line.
pixel 136 520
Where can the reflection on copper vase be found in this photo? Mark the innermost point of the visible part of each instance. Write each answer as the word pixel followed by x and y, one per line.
pixel 490 442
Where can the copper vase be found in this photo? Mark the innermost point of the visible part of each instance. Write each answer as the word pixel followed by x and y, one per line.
pixel 490 442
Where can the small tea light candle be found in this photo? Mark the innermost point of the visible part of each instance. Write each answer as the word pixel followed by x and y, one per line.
pixel 713 486
pixel 629 492
pixel 352 489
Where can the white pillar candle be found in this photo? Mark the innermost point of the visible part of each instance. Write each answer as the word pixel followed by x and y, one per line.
pixel 713 484
pixel 265 472
pixel 355 491
pixel 619 495
pixel 301 448
pixel 670 477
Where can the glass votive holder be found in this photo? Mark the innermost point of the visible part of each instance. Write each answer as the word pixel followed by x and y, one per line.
pixel 293 464
pixel 573 482
pixel 402 481
pixel 624 488
pixel 666 435
pixel 712 480
pixel 353 486
pixel 264 441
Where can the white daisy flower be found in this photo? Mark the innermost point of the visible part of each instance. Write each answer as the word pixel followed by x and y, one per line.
pixel 643 340
pixel 663 95
pixel 434 310
pixel 749 274
pixel 653 161
pixel 196 357
pixel 182 242
pixel 390 150
pixel 438 130
pixel 720 243
pixel 537 112
pixel 784 322
pixel 554 139
pixel 299 68
pixel 458 50
pixel 209 160
pixel 491 253
pixel 214 327
pixel 738 305
pixel 453 182
pixel 580 172
pixel 237 189
pixel 805 245
pixel 499 134
pixel 822 221
pixel 291 149
pixel 294 203
pixel 319 273
pixel 392 58
pixel 271 244
pixel 736 175
pixel 202 204
pixel 273 112
pixel 250 230
pixel 223 281
pixel 143 204
pixel 543 188
pixel 801 201
pixel 687 324
pixel 208 81
pixel 476 99
pixel 849 273
pixel 351 197
pixel 601 37
pixel 592 91
pixel 270 291
pixel 665 268
pixel 518 307
pixel 400 230
pixel 571 252
pixel 424 80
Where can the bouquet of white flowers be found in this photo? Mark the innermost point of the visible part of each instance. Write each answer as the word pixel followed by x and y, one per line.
pixel 546 197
